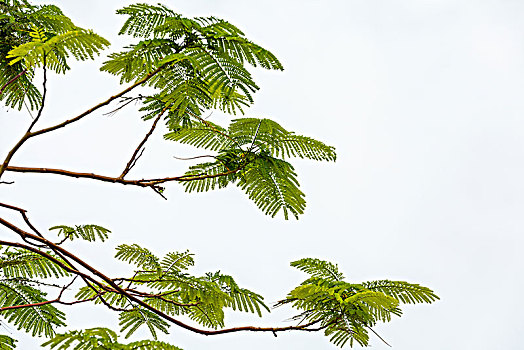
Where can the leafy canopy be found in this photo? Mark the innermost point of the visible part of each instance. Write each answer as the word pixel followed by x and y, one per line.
pixel 194 65
pixel 189 67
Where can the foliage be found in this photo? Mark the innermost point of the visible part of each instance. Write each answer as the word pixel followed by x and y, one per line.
pixel 101 338
pixel 348 310
pixel 88 233
pixel 20 278
pixel 188 66
pixel 252 153
pixel 202 59
pixel 36 36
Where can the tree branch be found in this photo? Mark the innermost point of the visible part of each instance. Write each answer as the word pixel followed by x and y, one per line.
pixel 103 178
pixel 43 98
pixel 115 288
pixel 30 134
pixel 101 104
pixel 134 157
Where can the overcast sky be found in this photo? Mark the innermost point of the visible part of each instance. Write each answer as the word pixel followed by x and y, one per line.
pixel 422 100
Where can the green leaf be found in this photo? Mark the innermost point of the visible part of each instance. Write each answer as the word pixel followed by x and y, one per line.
pixel 407 293
pixel 7 343
pixel 21 263
pixel 272 184
pixel 88 233
pixel 318 268
pixel 101 339
pixel 37 320
pixel 140 257
pixel 348 311
pixel 143 18
pixel 80 43
pixel 132 320
pixel 176 261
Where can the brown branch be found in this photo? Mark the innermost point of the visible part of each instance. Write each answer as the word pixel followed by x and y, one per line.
pixel 132 161
pixel 30 134
pixel 101 104
pixel 117 289
pixel 43 98
pixel 75 174
pixel 71 268
pixel 12 307
pixel 185 178
pixel 385 342
pixel 57 300
pixel 12 207
pixel 50 257
pixel 26 219
pixel 103 178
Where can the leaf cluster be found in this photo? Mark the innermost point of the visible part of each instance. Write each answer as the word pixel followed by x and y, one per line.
pixel 20 275
pixel 101 338
pixel 252 154
pixel 202 62
pixel 88 233
pixel 347 311
pixel 173 291
pixel 36 36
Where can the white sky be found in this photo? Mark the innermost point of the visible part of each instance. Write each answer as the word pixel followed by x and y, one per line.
pixel 423 101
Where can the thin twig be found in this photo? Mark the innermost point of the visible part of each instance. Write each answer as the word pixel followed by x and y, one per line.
pixel 29 134
pixel 43 98
pixel 125 101
pixel 191 158
pixel 101 104
pixel 385 342
pixel 26 219
pixel 159 192
pixel 255 137
pixel 137 158
pixel 134 157
pixel 103 178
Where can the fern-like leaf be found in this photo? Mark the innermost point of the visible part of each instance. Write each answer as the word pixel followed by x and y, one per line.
pixel 151 345
pixel 318 268
pixel 89 339
pixel 88 233
pixel 176 261
pixel 143 18
pixel 208 176
pixel 29 265
pixel 80 43
pixel 101 339
pixel 139 256
pixel 37 320
pixel 407 293
pixel 272 184
pixel 132 320
pixel 208 136
pixel 348 311
pixel 7 343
